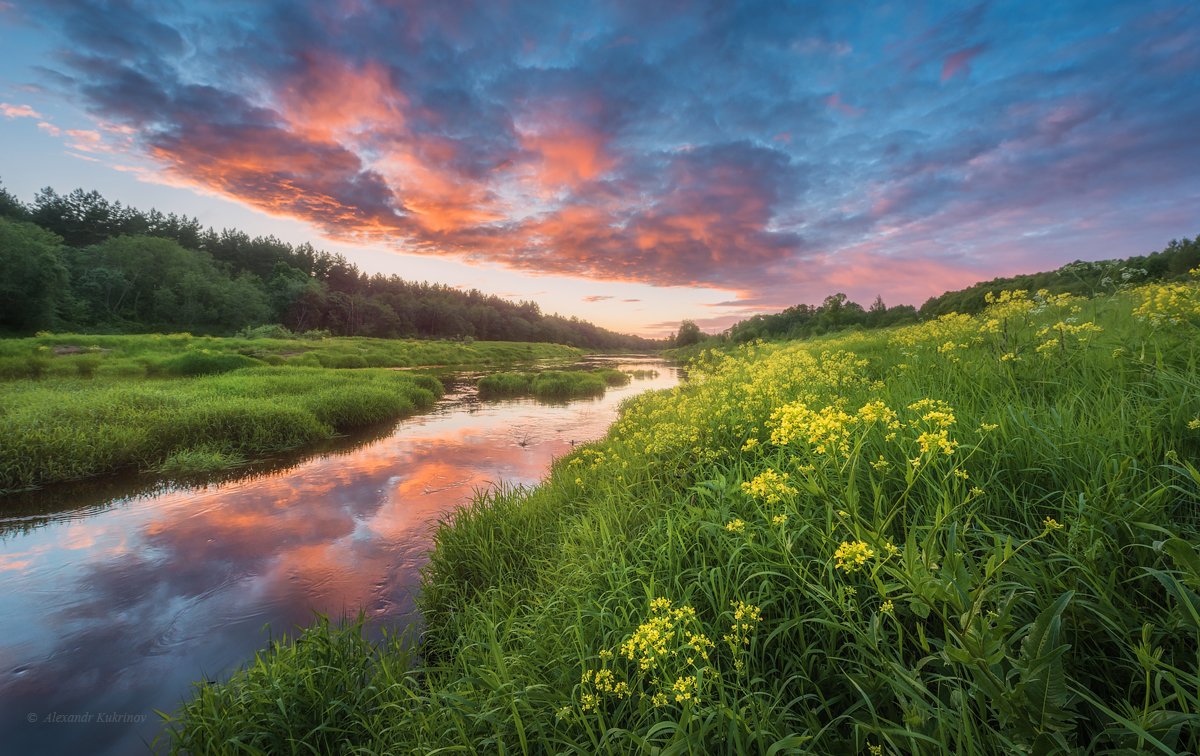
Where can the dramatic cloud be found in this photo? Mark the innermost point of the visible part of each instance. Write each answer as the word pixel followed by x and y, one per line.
pixel 778 153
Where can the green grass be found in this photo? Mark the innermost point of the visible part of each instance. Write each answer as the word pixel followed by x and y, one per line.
pixel 197 461
pixel 976 535
pixel 58 429
pixel 172 355
pixel 551 385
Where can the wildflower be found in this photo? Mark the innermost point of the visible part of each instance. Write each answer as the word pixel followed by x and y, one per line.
pixel 961 474
pixel 931 441
pixel 1051 524
pixel 1194 424
pixel 887 607
pixel 779 519
pixel 736 525
pixel 750 444
pixel 876 750
pixel 880 464
pixel 684 689
pixel 770 486
pixel 891 549
pixel 851 555
pixel 988 427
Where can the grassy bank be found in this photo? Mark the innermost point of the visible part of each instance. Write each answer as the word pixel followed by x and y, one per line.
pixel 65 428
pixel 551 385
pixel 974 535
pixel 159 355
pixel 81 405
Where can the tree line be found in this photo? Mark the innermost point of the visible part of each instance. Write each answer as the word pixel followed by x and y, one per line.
pixel 838 312
pixel 79 262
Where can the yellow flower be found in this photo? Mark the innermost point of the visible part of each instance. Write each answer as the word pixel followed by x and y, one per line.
pixel 1194 424
pixel 779 519
pixel 736 525
pixel 1051 524
pixel 887 607
pixel 770 486
pixel 851 555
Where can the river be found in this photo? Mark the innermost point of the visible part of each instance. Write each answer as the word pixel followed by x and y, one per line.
pixel 118 594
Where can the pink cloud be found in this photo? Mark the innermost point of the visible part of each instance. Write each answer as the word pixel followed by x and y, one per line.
pixel 835 101
pixel 960 62
pixel 18 111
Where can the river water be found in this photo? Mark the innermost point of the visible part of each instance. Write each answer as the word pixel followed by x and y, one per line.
pixel 117 594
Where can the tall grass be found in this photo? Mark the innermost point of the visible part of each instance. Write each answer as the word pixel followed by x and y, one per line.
pixel 181 354
pixel 551 385
pixel 975 535
pixel 66 428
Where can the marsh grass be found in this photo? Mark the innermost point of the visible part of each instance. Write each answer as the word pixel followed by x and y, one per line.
pixel 181 354
pixel 60 429
pixel 975 535
pixel 551 385
pixel 197 462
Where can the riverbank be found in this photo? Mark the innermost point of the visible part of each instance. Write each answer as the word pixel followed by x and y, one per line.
pixel 180 354
pixel 197 575
pixel 78 406
pixel 972 535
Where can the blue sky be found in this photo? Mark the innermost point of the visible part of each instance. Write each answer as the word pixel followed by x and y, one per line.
pixel 630 163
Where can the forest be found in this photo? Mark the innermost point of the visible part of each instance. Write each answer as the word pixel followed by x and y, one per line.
pixel 79 262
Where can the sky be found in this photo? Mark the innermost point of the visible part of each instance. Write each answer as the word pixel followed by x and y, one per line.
pixel 630 163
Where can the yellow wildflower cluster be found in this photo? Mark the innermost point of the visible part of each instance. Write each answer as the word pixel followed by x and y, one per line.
pixel 1065 332
pixel 1168 304
pixel 936 417
pixel 1194 424
pixel 826 430
pixel 952 329
pixel 851 555
pixel 669 655
pixel 597 683
pixel 665 636
pixel 745 619
pixel 684 689
pixel 936 441
pixel 878 412
pixel 1051 524
pixel 779 519
pixel 770 486
pixel 736 525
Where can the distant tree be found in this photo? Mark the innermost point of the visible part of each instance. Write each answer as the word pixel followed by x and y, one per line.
pixel 11 207
pixel 689 333
pixel 33 280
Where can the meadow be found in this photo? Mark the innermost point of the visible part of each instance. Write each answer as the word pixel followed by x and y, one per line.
pixel 977 534
pixel 77 406
pixel 551 385
pixel 182 354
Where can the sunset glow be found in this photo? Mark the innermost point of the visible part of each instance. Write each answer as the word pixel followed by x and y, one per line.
pixel 629 163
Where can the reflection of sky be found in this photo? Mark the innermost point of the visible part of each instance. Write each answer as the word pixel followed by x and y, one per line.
pixel 122 610
pixel 630 162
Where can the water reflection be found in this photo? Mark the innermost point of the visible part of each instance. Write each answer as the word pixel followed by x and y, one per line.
pixel 118 605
